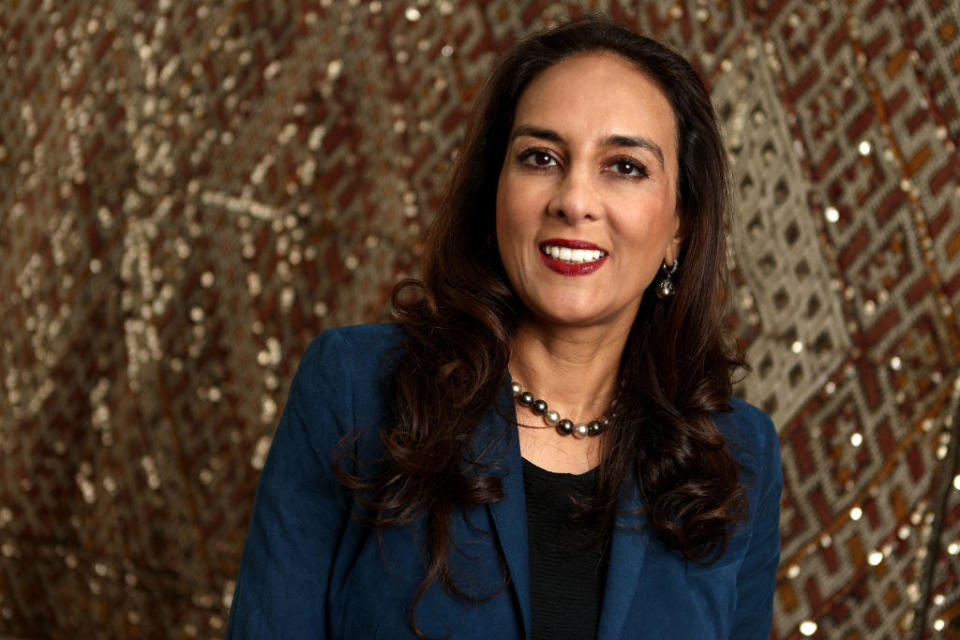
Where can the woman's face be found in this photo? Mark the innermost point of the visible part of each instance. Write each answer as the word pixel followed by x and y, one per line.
pixel 586 200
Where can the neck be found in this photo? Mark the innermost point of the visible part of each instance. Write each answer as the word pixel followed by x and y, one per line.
pixel 574 369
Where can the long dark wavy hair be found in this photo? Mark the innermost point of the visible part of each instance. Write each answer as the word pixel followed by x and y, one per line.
pixel 459 318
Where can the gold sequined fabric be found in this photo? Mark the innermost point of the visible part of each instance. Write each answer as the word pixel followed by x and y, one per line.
pixel 190 191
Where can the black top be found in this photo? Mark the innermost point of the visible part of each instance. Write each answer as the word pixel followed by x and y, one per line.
pixel 567 566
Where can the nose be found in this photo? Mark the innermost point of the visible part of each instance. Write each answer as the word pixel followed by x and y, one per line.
pixel 576 198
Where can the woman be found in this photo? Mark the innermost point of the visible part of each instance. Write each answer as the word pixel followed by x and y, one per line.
pixel 546 444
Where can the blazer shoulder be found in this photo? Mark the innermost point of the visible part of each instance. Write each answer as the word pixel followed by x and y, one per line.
pixel 346 372
pixel 386 335
pixel 750 433
pixel 356 348
pixel 746 413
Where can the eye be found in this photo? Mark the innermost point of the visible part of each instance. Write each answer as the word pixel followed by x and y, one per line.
pixel 537 158
pixel 629 168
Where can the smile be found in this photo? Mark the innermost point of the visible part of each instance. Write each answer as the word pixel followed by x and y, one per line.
pixel 572 257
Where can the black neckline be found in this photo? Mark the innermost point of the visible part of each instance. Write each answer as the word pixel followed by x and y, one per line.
pixel 587 478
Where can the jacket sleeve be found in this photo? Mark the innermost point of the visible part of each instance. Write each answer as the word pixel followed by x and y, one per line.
pixel 300 510
pixel 757 576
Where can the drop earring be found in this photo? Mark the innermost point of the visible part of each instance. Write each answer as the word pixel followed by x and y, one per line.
pixel 665 286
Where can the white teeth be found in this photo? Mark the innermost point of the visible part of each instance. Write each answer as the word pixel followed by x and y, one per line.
pixel 575 256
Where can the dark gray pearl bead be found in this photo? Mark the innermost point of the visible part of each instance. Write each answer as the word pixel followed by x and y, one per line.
pixel 539 407
pixel 665 289
pixel 565 427
pixel 516 388
pixel 526 399
pixel 594 428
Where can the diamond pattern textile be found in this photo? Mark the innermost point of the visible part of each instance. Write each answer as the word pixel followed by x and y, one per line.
pixel 190 191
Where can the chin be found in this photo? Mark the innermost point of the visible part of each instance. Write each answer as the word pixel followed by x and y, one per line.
pixel 573 308
pixel 580 318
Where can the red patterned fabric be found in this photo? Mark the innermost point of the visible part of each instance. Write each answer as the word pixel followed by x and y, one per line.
pixel 192 191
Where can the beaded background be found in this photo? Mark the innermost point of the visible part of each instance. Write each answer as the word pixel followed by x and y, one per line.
pixel 190 192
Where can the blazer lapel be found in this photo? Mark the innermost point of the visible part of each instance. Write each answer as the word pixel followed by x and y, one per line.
pixel 627 551
pixel 498 441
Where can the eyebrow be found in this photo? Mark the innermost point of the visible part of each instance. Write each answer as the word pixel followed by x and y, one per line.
pixel 616 140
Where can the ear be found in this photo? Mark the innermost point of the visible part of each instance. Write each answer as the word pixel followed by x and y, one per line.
pixel 672 251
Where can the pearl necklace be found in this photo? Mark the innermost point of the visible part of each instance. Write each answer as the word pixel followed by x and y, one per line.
pixel 564 426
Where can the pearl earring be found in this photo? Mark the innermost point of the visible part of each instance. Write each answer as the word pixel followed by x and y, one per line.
pixel 665 286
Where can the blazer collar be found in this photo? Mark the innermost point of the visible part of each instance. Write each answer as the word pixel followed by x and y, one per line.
pixel 510 514
pixel 627 548
pixel 627 552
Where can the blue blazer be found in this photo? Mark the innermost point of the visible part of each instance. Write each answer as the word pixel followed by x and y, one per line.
pixel 309 570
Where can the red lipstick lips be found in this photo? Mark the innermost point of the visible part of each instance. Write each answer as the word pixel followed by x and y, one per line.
pixel 571 268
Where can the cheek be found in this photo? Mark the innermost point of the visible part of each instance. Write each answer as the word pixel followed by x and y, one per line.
pixel 652 224
pixel 500 215
pixel 666 219
pixel 505 220
pixel 501 203
pixel 511 214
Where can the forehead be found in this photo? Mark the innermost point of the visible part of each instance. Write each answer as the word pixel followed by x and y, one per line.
pixel 598 94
